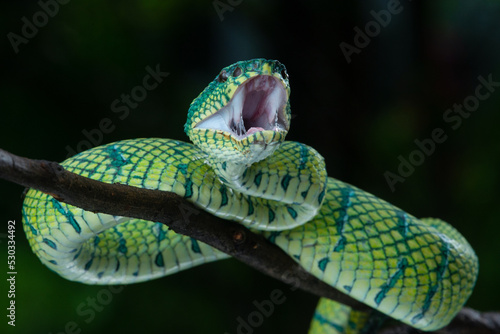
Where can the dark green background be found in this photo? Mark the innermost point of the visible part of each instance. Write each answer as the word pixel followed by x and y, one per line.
pixel 360 116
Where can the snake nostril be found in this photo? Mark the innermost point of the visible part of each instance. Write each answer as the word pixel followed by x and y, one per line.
pixel 237 72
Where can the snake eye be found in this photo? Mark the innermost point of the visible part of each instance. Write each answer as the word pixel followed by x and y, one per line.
pixel 222 76
pixel 284 75
pixel 237 72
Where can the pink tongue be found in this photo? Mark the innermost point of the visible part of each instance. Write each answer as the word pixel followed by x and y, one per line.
pixel 253 130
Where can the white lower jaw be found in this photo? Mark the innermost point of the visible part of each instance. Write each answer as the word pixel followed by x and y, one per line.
pixel 218 121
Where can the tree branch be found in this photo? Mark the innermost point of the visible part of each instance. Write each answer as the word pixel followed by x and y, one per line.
pixel 170 209
pixel 467 321
pixel 185 218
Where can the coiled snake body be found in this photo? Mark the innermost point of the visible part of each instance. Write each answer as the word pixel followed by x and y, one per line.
pixel 419 271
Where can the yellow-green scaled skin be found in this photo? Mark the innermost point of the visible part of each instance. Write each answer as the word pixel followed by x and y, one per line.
pixel 418 271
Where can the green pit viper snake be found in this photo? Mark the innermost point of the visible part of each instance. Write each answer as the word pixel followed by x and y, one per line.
pixel 418 271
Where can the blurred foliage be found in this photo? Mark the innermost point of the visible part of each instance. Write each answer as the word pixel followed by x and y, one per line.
pixel 361 116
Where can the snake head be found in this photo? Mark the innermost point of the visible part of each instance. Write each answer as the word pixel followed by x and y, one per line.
pixel 244 113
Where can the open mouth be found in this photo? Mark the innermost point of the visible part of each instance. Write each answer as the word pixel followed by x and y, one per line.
pixel 257 105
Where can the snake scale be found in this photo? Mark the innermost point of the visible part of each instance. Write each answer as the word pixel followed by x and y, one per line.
pixel 418 271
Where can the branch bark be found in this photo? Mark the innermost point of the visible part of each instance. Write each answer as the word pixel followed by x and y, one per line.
pixel 185 218
pixel 467 321
pixel 170 209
